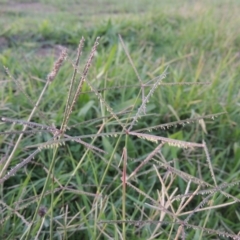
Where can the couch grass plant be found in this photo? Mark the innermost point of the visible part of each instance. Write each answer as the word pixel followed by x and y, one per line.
pixel 133 135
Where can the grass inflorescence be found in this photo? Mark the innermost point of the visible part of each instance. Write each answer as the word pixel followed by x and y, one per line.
pixel 120 142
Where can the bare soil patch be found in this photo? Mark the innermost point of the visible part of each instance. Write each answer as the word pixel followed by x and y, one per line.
pixel 13 6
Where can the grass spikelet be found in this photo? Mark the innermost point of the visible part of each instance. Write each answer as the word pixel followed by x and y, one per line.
pixel 57 65
pixel 146 99
pixel 69 105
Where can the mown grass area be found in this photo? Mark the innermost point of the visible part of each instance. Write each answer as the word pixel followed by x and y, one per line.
pixel 73 191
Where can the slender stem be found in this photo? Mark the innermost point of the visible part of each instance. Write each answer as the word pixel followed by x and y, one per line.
pixel 51 173
pixel 41 197
pixel 109 163
pixel 124 193
pixel 5 166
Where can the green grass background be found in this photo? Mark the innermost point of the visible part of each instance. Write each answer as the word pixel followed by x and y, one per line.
pixel 198 40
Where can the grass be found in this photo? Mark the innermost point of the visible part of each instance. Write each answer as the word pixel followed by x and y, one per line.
pixel 89 167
